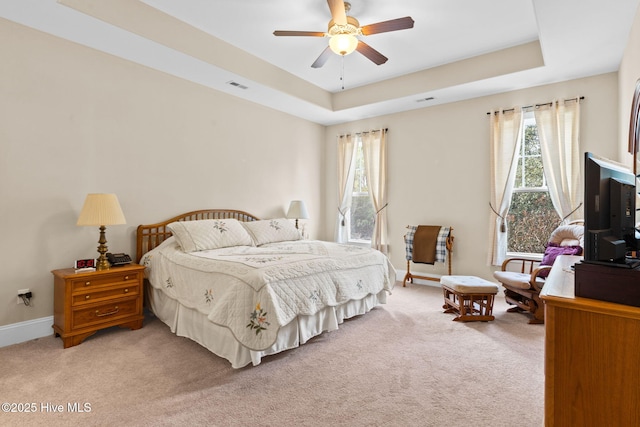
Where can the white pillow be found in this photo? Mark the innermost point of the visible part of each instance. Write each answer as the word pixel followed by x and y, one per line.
pixel 200 235
pixel 272 231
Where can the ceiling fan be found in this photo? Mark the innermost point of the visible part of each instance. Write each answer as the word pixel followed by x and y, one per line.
pixel 343 31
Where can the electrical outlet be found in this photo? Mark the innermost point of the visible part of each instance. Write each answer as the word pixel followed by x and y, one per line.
pixel 22 292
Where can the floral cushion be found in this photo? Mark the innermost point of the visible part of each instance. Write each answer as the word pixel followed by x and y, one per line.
pixel 272 231
pixel 200 235
pixel 551 253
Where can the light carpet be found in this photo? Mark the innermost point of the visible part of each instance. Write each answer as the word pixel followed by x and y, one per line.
pixel 405 363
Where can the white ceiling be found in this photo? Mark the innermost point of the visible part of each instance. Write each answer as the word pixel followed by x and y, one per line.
pixel 212 42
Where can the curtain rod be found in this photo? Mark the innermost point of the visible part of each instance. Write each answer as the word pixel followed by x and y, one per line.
pixel 537 105
pixel 361 133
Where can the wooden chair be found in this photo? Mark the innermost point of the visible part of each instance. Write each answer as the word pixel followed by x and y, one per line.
pixel 524 278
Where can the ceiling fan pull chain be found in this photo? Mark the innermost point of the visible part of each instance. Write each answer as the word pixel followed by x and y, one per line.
pixel 342 73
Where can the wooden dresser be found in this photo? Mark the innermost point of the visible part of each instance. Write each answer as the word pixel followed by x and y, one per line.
pixel 592 356
pixel 84 303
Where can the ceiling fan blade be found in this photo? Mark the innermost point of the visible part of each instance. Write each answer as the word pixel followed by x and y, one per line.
pixel 326 54
pixel 338 14
pixel 298 33
pixel 386 26
pixel 372 54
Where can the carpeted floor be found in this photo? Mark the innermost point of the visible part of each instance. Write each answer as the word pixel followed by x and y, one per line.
pixel 403 364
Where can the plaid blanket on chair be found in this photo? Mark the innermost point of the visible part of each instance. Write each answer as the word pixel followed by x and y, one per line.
pixel 441 244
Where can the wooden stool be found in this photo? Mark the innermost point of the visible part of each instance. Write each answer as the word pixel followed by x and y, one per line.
pixel 470 297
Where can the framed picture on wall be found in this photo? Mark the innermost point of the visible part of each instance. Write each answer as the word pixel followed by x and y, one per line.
pixel 634 129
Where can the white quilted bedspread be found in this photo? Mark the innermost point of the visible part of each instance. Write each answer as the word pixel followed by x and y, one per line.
pixel 254 291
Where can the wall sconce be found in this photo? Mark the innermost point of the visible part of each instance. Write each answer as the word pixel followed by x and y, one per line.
pixel 101 210
pixel 297 210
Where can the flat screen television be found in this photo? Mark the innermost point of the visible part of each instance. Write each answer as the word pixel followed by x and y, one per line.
pixel 609 212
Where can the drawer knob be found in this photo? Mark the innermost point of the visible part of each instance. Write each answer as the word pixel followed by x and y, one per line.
pixel 108 313
pixel 87 283
pixel 126 277
pixel 87 297
pixel 126 290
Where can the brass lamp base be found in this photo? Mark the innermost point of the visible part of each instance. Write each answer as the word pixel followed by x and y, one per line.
pixel 103 262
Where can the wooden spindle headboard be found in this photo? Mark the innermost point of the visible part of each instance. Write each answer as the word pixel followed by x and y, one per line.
pixel 151 235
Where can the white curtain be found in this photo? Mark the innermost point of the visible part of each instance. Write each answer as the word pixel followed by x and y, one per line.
pixel 346 170
pixel 505 139
pixel 559 130
pixel 374 147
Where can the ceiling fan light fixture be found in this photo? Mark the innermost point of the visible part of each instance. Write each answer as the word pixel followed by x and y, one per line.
pixel 344 33
pixel 343 44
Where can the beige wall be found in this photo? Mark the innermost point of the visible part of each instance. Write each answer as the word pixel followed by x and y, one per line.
pixel 75 121
pixel 439 164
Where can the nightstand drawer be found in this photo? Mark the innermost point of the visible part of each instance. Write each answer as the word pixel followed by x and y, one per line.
pixel 104 313
pixel 97 295
pixel 104 280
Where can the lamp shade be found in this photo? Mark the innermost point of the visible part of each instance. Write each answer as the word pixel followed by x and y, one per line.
pixel 343 44
pixel 297 210
pixel 101 209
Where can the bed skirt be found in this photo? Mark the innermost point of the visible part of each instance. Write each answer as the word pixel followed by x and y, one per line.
pixel 186 322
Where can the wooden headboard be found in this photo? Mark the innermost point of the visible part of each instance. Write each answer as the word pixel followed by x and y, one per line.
pixel 151 235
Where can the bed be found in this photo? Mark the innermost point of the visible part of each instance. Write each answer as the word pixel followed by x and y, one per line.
pixel 246 288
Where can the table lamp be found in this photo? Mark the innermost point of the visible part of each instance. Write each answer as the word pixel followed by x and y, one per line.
pixel 297 210
pixel 101 210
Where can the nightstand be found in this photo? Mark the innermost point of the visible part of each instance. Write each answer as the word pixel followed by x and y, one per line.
pixel 86 302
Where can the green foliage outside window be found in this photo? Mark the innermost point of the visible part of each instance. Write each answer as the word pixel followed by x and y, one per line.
pixel 362 214
pixel 531 220
pixel 362 217
pixel 531 217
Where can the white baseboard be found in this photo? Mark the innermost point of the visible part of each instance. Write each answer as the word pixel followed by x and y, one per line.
pixel 25 331
pixel 16 333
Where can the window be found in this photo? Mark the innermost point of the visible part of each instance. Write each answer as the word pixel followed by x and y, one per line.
pixel 532 217
pixel 362 213
pixel 362 191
